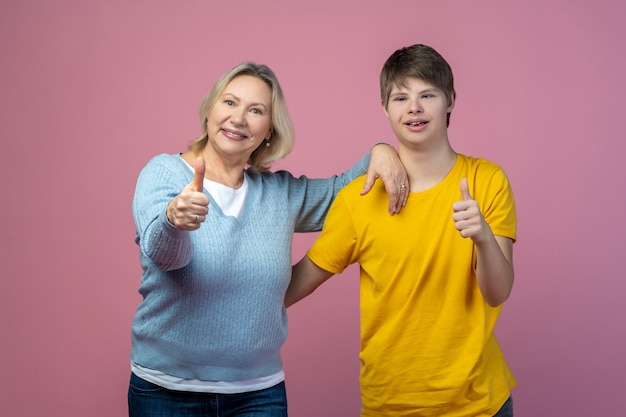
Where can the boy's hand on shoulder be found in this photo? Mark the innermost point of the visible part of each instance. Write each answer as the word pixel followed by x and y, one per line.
pixel 467 217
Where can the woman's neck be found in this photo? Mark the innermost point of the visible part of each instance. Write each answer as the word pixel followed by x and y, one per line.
pixel 216 169
pixel 219 170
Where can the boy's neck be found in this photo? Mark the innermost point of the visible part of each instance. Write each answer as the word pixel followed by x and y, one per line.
pixel 426 168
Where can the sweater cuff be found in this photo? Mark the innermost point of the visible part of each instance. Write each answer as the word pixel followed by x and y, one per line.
pixel 168 227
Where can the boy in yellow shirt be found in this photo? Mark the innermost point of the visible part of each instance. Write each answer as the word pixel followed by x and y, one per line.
pixel 433 277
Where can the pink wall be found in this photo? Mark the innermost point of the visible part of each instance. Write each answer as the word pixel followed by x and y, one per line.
pixel 90 90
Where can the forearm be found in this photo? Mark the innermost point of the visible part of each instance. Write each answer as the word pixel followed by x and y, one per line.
pixel 385 165
pixel 297 290
pixel 494 269
pixel 159 182
pixel 314 196
pixel 168 247
pixel 355 171
pixel 305 278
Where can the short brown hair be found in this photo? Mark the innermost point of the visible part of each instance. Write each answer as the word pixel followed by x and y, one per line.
pixel 416 61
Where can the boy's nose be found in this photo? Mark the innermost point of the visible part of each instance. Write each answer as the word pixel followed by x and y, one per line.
pixel 414 107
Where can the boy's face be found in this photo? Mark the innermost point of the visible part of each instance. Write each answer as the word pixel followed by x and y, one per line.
pixel 417 112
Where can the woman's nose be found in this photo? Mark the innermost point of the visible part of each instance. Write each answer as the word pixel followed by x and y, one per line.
pixel 238 117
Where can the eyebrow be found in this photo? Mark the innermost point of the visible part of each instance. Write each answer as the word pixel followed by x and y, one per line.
pixel 426 90
pixel 239 99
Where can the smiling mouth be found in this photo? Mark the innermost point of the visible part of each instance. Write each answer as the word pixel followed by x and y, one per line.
pixel 231 133
pixel 416 123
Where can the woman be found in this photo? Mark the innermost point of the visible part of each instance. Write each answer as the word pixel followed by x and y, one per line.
pixel 215 246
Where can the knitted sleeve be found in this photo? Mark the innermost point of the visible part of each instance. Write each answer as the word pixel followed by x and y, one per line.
pixel 165 245
pixel 315 196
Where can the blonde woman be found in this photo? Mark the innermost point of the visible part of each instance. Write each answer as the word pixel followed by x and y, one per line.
pixel 214 228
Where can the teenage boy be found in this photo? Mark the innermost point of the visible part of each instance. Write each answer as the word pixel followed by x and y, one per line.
pixel 432 278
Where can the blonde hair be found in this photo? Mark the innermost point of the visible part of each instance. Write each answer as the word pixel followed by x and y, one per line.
pixel 282 133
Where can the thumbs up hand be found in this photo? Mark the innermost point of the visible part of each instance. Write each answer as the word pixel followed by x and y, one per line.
pixel 198 177
pixel 188 209
pixel 467 217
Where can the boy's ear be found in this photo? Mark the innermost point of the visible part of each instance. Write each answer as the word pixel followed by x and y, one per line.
pixel 382 104
pixel 452 101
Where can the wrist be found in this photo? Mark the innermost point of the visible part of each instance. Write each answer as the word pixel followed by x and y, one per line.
pixel 167 218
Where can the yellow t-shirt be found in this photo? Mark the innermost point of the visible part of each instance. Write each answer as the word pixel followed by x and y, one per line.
pixel 427 342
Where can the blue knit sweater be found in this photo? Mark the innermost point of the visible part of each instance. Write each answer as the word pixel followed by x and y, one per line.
pixel 212 305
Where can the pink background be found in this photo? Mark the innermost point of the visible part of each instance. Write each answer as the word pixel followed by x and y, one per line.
pixel 90 90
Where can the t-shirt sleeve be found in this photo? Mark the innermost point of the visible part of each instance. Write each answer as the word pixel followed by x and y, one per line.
pixel 499 207
pixel 336 246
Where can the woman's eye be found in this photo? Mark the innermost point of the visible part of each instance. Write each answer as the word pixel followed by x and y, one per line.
pixel 229 102
pixel 256 111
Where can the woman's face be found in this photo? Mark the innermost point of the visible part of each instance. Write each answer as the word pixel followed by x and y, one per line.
pixel 241 118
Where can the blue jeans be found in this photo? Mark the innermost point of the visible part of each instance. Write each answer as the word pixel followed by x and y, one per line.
pixel 146 399
pixel 506 410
